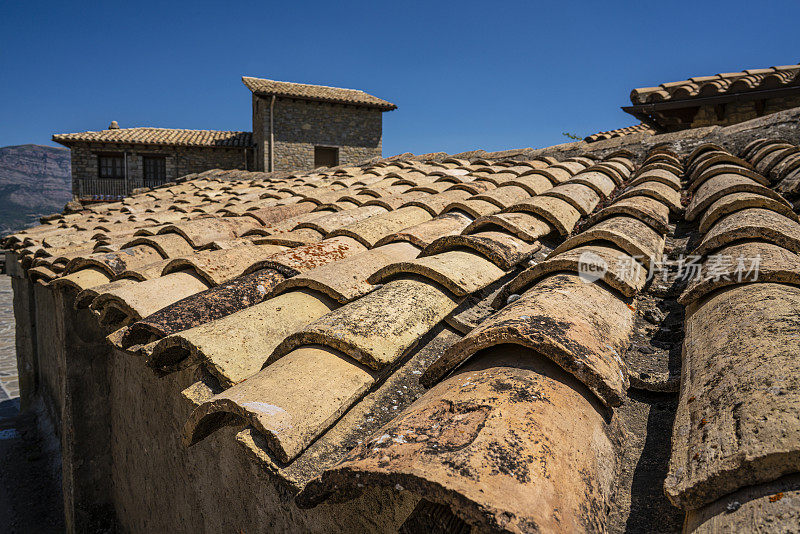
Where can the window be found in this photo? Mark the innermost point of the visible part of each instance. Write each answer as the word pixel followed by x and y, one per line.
pixel 111 166
pixel 155 170
pixel 326 156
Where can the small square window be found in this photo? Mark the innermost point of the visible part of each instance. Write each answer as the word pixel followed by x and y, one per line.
pixel 155 170
pixel 111 166
pixel 326 156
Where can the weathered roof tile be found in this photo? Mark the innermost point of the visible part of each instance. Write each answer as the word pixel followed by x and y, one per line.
pixel 657 190
pixel 640 128
pixel 775 264
pixel 737 428
pixel 322 93
pixel 631 235
pixel 616 268
pixel 562 215
pixel 646 209
pixel 350 278
pixel 219 266
pixel 203 307
pixel 751 223
pixel 501 248
pixel 160 136
pixel 458 271
pixel 718 84
pixel 380 327
pixel 131 302
pixel 583 198
pixel 732 202
pixel 372 230
pixel 291 402
pixel 525 226
pixel 424 233
pixel 309 350
pixel 582 327
pixel 236 346
pixel 721 185
pixel 497 445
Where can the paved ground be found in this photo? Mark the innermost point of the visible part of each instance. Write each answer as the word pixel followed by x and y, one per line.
pixel 9 386
pixel 30 498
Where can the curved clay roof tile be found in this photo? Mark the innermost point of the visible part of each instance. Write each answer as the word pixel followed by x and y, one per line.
pixel 446 447
pixel 684 91
pixel 752 223
pixel 754 325
pixel 743 84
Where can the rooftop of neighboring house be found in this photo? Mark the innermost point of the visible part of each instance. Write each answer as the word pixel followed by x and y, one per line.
pixel 726 83
pixel 159 137
pixel 225 139
pixel 619 132
pixel 319 93
pixel 727 98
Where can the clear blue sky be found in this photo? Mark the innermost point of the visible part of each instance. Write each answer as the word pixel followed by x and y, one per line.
pixel 465 75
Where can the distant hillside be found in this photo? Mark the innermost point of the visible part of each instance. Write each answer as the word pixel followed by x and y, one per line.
pixel 34 181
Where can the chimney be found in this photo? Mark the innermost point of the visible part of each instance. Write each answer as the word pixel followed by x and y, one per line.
pixel 113 126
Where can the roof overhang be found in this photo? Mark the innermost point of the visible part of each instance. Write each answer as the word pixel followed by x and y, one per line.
pixel 644 112
pixel 263 87
pixel 70 143
pixel 304 98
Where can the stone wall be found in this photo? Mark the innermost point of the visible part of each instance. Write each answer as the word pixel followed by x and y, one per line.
pixel 301 125
pixel 179 162
pixel 24 329
pixel 119 430
pixel 736 112
pixel 218 485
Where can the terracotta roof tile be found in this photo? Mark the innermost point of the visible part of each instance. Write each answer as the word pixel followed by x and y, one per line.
pixel 733 82
pixel 160 136
pixel 485 428
pixel 428 328
pixel 322 93
pixel 500 247
pixel 627 130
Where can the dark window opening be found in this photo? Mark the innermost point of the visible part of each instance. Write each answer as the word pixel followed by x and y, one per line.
pixel 111 166
pixel 325 156
pixel 155 170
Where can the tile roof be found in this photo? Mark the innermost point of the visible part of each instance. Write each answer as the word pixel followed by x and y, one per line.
pixel 160 136
pixel 610 134
pixel 481 332
pixel 322 93
pixel 719 84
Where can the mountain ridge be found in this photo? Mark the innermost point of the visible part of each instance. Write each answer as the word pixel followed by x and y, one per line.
pixel 35 180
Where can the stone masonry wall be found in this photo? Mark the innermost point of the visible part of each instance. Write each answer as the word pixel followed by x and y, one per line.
pixel 301 125
pixel 179 162
pixel 218 485
pixel 736 112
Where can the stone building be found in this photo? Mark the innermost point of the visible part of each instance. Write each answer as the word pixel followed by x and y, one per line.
pixel 116 161
pixel 295 127
pixel 299 126
pixel 718 100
